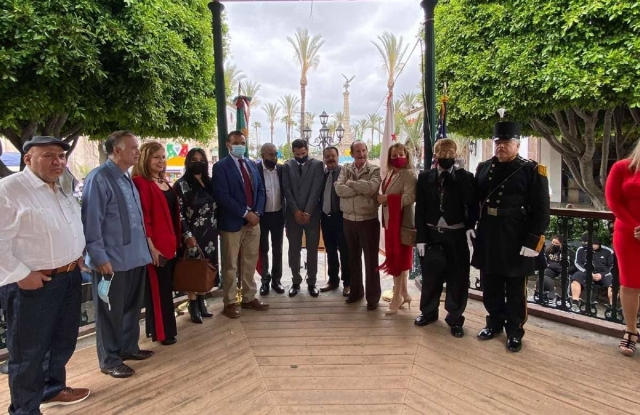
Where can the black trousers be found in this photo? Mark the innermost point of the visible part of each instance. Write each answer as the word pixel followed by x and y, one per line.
pixel 118 328
pixel 42 331
pixel 159 297
pixel 271 223
pixel 505 299
pixel 334 241
pixel 456 275
pixel 363 238
pixel 549 276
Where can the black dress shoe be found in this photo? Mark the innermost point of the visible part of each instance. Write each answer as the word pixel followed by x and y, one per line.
pixel 514 344
pixel 313 291
pixel 457 331
pixel 293 291
pixel 119 372
pixel 141 355
pixel 488 333
pixel 169 341
pixel 202 305
pixel 372 306
pixel 264 289
pixel 421 320
pixel 277 287
pixel 351 300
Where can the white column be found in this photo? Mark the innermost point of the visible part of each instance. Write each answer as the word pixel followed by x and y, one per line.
pixel 553 160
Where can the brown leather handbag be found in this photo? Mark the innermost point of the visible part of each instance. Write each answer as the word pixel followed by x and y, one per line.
pixel 194 274
pixel 408 236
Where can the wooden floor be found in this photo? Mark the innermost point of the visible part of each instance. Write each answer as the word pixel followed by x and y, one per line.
pixel 320 356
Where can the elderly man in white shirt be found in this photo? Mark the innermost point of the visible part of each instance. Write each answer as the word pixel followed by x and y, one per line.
pixel 41 244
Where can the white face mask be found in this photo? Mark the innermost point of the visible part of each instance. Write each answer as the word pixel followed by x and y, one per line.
pixel 238 150
pixel 103 289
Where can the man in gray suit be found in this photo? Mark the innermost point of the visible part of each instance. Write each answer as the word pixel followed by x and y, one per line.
pixel 302 180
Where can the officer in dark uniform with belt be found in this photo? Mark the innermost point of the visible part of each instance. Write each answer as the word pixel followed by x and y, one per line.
pixel 514 214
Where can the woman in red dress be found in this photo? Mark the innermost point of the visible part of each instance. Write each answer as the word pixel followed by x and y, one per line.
pixel 161 213
pixel 397 197
pixel 623 197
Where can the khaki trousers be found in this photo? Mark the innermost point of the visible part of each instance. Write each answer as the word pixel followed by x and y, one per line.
pixel 247 242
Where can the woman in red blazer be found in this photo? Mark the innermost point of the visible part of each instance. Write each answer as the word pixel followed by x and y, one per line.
pixel 161 213
pixel 623 197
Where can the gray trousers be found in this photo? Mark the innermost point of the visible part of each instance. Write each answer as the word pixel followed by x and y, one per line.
pixel 312 234
pixel 118 329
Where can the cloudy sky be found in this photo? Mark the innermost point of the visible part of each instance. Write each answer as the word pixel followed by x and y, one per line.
pixel 259 47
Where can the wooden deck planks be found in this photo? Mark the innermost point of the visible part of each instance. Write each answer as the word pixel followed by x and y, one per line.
pixel 320 356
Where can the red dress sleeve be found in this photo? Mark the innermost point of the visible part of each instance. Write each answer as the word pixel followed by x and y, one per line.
pixel 615 197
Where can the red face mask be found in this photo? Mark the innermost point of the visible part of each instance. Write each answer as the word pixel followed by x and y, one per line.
pixel 399 162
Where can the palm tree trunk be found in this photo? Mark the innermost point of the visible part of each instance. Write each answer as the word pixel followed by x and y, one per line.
pixel 303 95
pixel 271 132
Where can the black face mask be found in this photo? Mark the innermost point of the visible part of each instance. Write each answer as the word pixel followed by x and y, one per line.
pixel 269 163
pixel 555 249
pixel 302 160
pixel 197 167
pixel 446 163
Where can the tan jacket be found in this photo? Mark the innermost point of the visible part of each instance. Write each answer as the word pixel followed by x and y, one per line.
pixel 403 182
pixel 358 190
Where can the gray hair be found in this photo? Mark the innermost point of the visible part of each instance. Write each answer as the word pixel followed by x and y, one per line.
pixel 115 140
pixel 267 146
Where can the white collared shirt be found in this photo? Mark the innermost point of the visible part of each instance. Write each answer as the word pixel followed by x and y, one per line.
pixel 272 188
pixel 236 161
pixel 39 229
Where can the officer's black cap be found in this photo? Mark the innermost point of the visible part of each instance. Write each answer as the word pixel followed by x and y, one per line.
pixel 40 140
pixel 506 130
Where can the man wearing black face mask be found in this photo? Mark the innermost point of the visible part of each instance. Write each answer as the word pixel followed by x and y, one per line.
pixel 553 254
pixel 272 222
pixel 446 210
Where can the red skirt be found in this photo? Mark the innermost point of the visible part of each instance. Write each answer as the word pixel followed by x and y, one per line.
pixel 398 257
pixel 627 251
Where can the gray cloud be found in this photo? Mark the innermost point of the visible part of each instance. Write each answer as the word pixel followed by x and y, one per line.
pixel 259 47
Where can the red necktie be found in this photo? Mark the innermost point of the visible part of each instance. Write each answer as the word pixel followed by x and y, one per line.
pixel 248 190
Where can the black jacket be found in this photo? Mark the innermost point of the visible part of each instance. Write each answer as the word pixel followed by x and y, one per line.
pixel 602 260
pixel 554 260
pixel 459 201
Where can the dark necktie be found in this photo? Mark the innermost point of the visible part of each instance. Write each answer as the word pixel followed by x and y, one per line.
pixel 248 190
pixel 300 169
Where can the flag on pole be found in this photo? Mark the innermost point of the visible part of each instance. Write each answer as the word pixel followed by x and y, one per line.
pixel 243 113
pixel 388 136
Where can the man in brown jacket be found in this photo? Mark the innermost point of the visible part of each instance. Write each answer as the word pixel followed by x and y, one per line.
pixel 357 186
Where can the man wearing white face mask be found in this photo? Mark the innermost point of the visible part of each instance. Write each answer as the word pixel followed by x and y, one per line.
pixel 514 214
pixel 240 194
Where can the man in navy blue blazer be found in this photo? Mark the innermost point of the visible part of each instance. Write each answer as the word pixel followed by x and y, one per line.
pixel 240 195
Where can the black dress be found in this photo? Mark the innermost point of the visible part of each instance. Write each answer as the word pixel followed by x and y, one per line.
pixel 165 288
pixel 199 215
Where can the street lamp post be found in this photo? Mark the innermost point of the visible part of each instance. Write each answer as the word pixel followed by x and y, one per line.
pixel 326 137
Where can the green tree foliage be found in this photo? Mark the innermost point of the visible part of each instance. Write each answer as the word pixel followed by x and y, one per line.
pixel 72 67
pixel 569 69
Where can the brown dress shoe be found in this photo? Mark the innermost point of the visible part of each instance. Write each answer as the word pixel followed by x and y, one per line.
pixel 346 291
pixel 255 304
pixel 328 287
pixel 67 396
pixel 231 311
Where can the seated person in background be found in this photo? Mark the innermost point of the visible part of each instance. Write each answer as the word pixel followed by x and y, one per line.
pixel 553 255
pixel 602 265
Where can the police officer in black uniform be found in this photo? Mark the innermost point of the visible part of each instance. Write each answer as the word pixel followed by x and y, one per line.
pixel 514 214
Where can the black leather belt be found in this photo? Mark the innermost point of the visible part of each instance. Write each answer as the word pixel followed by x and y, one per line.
pixel 444 230
pixel 504 212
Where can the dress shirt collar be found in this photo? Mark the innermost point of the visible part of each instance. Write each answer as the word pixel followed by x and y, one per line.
pixel 330 170
pixel 236 159
pixel 450 170
pixel 37 182
pixel 115 170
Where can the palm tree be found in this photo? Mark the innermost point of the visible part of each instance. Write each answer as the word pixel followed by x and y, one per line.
pixel 356 130
pixel 407 102
pixel 392 52
pixel 414 133
pixel 232 76
pixel 256 126
pixel 289 105
pixel 339 117
pixel 250 89
pixel 272 111
pixel 373 122
pixel 362 124
pixel 306 48
pixel 309 117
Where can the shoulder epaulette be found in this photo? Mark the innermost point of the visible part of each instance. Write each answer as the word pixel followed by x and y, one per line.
pixel 542 170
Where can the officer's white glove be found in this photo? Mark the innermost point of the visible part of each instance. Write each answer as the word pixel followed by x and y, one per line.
pixel 471 235
pixel 528 252
pixel 421 248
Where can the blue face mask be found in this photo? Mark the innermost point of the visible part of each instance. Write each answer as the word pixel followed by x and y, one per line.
pixel 238 150
pixel 103 289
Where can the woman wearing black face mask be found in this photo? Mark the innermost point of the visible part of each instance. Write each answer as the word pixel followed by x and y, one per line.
pixel 553 255
pixel 199 225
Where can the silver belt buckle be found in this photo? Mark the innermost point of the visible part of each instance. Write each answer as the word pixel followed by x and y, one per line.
pixel 440 230
pixel 492 211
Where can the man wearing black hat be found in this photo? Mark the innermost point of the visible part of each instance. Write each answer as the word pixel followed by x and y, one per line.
pixel 514 214
pixel 41 244
pixel 446 210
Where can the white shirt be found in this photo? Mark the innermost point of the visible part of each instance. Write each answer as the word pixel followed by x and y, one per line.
pixel 272 188
pixel 39 229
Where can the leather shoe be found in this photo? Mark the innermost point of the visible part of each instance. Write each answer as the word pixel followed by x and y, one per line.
pixel 255 304
pixel 457 331
pixel 169 341
pixel 514 344
pixel 231 311
pixel 421 320
pixel 372 306
pixel 293 291
pixel 264 289
pixel 346 291
pixel 119 372
pixel 351 300
pixel 313 291
pixel 488 333
pixel 141 355
pixel 328 287
pixel 277 287
pixel 67 396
